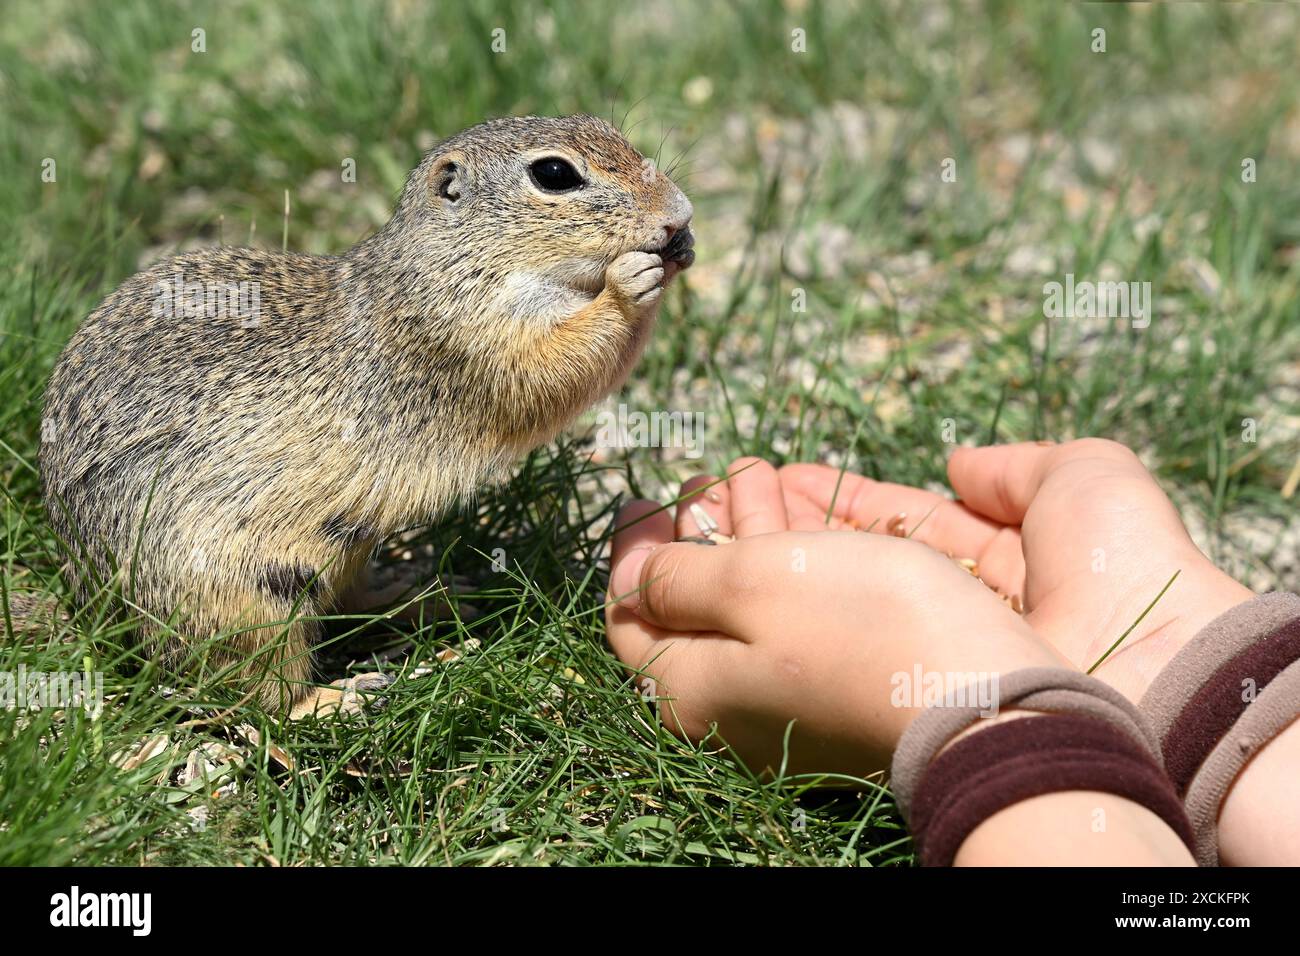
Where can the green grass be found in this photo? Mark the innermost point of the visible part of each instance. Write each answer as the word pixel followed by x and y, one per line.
pixel 815 171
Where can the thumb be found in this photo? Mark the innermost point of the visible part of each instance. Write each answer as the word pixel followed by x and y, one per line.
pixel 1000 481
pixel 679 586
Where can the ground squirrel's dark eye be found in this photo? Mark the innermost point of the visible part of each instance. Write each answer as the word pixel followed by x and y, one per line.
pixel 555 175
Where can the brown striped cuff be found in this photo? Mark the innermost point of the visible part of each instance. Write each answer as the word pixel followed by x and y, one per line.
pixel 1027 757
pixel 1220 701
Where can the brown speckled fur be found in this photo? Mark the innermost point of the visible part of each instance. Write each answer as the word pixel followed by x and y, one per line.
pixel 231 471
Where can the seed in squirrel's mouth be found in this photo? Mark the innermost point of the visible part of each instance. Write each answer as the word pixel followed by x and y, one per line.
pixel 681 248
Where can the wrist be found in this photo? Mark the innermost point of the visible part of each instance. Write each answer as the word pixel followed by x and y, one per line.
pixel 1078 827
pixel 1259 824
pixel 1208 593
pixel 974 660
pixel 1200 594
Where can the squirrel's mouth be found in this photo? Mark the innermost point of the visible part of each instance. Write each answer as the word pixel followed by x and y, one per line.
pixel 678 253
pixel 680 249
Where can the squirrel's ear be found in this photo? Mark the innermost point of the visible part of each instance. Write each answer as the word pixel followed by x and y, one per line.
pixel 449 179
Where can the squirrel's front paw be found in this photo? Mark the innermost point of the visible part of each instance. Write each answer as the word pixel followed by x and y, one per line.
pixel 636 279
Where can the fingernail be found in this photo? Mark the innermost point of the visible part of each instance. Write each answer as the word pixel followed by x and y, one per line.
pixel 625 584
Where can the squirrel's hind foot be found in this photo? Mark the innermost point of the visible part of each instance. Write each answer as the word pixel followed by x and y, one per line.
pixel 347 696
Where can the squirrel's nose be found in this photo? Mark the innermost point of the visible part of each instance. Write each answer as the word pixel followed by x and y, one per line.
pixel 678 212
pixel 676 218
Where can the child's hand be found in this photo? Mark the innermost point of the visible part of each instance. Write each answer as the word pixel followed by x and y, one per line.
pixel 783 625
pixel 1081 530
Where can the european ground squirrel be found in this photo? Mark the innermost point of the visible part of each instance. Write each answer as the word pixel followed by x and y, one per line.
pixel 232 431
